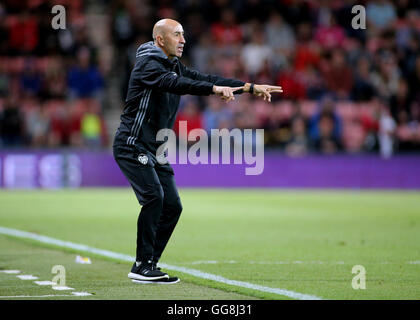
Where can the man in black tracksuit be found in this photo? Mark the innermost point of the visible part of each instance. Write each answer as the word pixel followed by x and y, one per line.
pixel 156 83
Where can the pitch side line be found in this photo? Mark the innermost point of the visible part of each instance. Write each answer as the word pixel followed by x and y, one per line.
pixel 125 257
pixel 43 296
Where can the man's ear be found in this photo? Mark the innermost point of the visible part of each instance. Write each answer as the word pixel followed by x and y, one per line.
pixel 160 41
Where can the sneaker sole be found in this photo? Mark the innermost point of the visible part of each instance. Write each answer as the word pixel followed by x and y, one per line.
pixel 136 276
pixel 160 281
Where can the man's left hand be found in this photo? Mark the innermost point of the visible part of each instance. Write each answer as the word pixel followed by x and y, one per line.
pixel 265 91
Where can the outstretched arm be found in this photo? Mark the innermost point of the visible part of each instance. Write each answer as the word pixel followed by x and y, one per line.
pixel 215 79
pixel 258 90
pixel 153 74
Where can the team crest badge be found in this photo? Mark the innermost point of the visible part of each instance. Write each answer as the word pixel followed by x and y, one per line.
pixel 143 159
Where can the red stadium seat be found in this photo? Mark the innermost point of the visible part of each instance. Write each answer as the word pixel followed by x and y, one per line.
pixel 346 110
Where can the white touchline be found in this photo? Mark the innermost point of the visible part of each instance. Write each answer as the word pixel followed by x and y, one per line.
pixel 80 294
pixel 43 296
pixel 61 288
pixel 289 262
pixel 10 271
pixel 27 277
pixel 263 262
pixel 126 257
pixel 44 283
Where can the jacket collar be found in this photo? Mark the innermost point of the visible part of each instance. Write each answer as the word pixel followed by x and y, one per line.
pixel 149 49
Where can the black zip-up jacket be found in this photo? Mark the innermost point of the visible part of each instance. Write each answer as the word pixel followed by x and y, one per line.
pixel 154 90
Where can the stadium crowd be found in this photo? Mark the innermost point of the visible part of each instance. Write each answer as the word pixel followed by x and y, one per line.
pixel 345 89
pixel 51 87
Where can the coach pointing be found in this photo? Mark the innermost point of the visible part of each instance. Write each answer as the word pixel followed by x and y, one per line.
pixel 157 81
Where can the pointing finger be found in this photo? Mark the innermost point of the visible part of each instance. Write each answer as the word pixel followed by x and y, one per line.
pixel 237 89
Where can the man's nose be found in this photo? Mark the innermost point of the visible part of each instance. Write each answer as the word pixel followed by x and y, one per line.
pixel 182 39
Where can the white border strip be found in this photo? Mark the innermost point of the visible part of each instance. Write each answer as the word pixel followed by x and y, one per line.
pixel 125 257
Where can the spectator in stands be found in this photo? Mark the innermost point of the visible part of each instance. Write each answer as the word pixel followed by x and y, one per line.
pixel 415 112
pixel 414 81
pixel 337 74
pixel 385 79
pixel 380 14
pixel 197 26
pixel 281 38
pixel 385 58
pixel 330 35
pixel 408 129
pixel 84 79
pixel 256 53
pixel 312 81
pixel 266 74
pixel 277 124
pixel 363 89
pixel 23 33
pixel 291 84
pixel 325 128
pixel 408 42
pixel 216 115
pixel 415 124
pixel 92 127
pixel 296 12
pixel 3 31
pixel 12 129
pixel 326 142
pixel 54 84
pixel 191 114
pixel 298 144
pixel 37 125
pixel 202 53
pixel 226 32
pixel 400 102
pixel 370 125
pixel 65 127
pixel 387 126
pixel 242 120
pixel 30 79
pixel 307 50
pixel 4 81
pixel 122 27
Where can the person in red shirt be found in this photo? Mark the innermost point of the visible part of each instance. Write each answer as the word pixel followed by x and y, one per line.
pixel 337 75
pixel 192 115
pixel 226 32
pixel 23 33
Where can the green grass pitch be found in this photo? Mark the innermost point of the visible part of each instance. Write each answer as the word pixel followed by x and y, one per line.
pixel 302 241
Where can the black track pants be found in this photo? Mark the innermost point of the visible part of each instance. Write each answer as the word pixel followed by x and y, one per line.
pixel 155 189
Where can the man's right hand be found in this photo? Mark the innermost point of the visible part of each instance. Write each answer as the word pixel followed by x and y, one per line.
pixel 226 93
